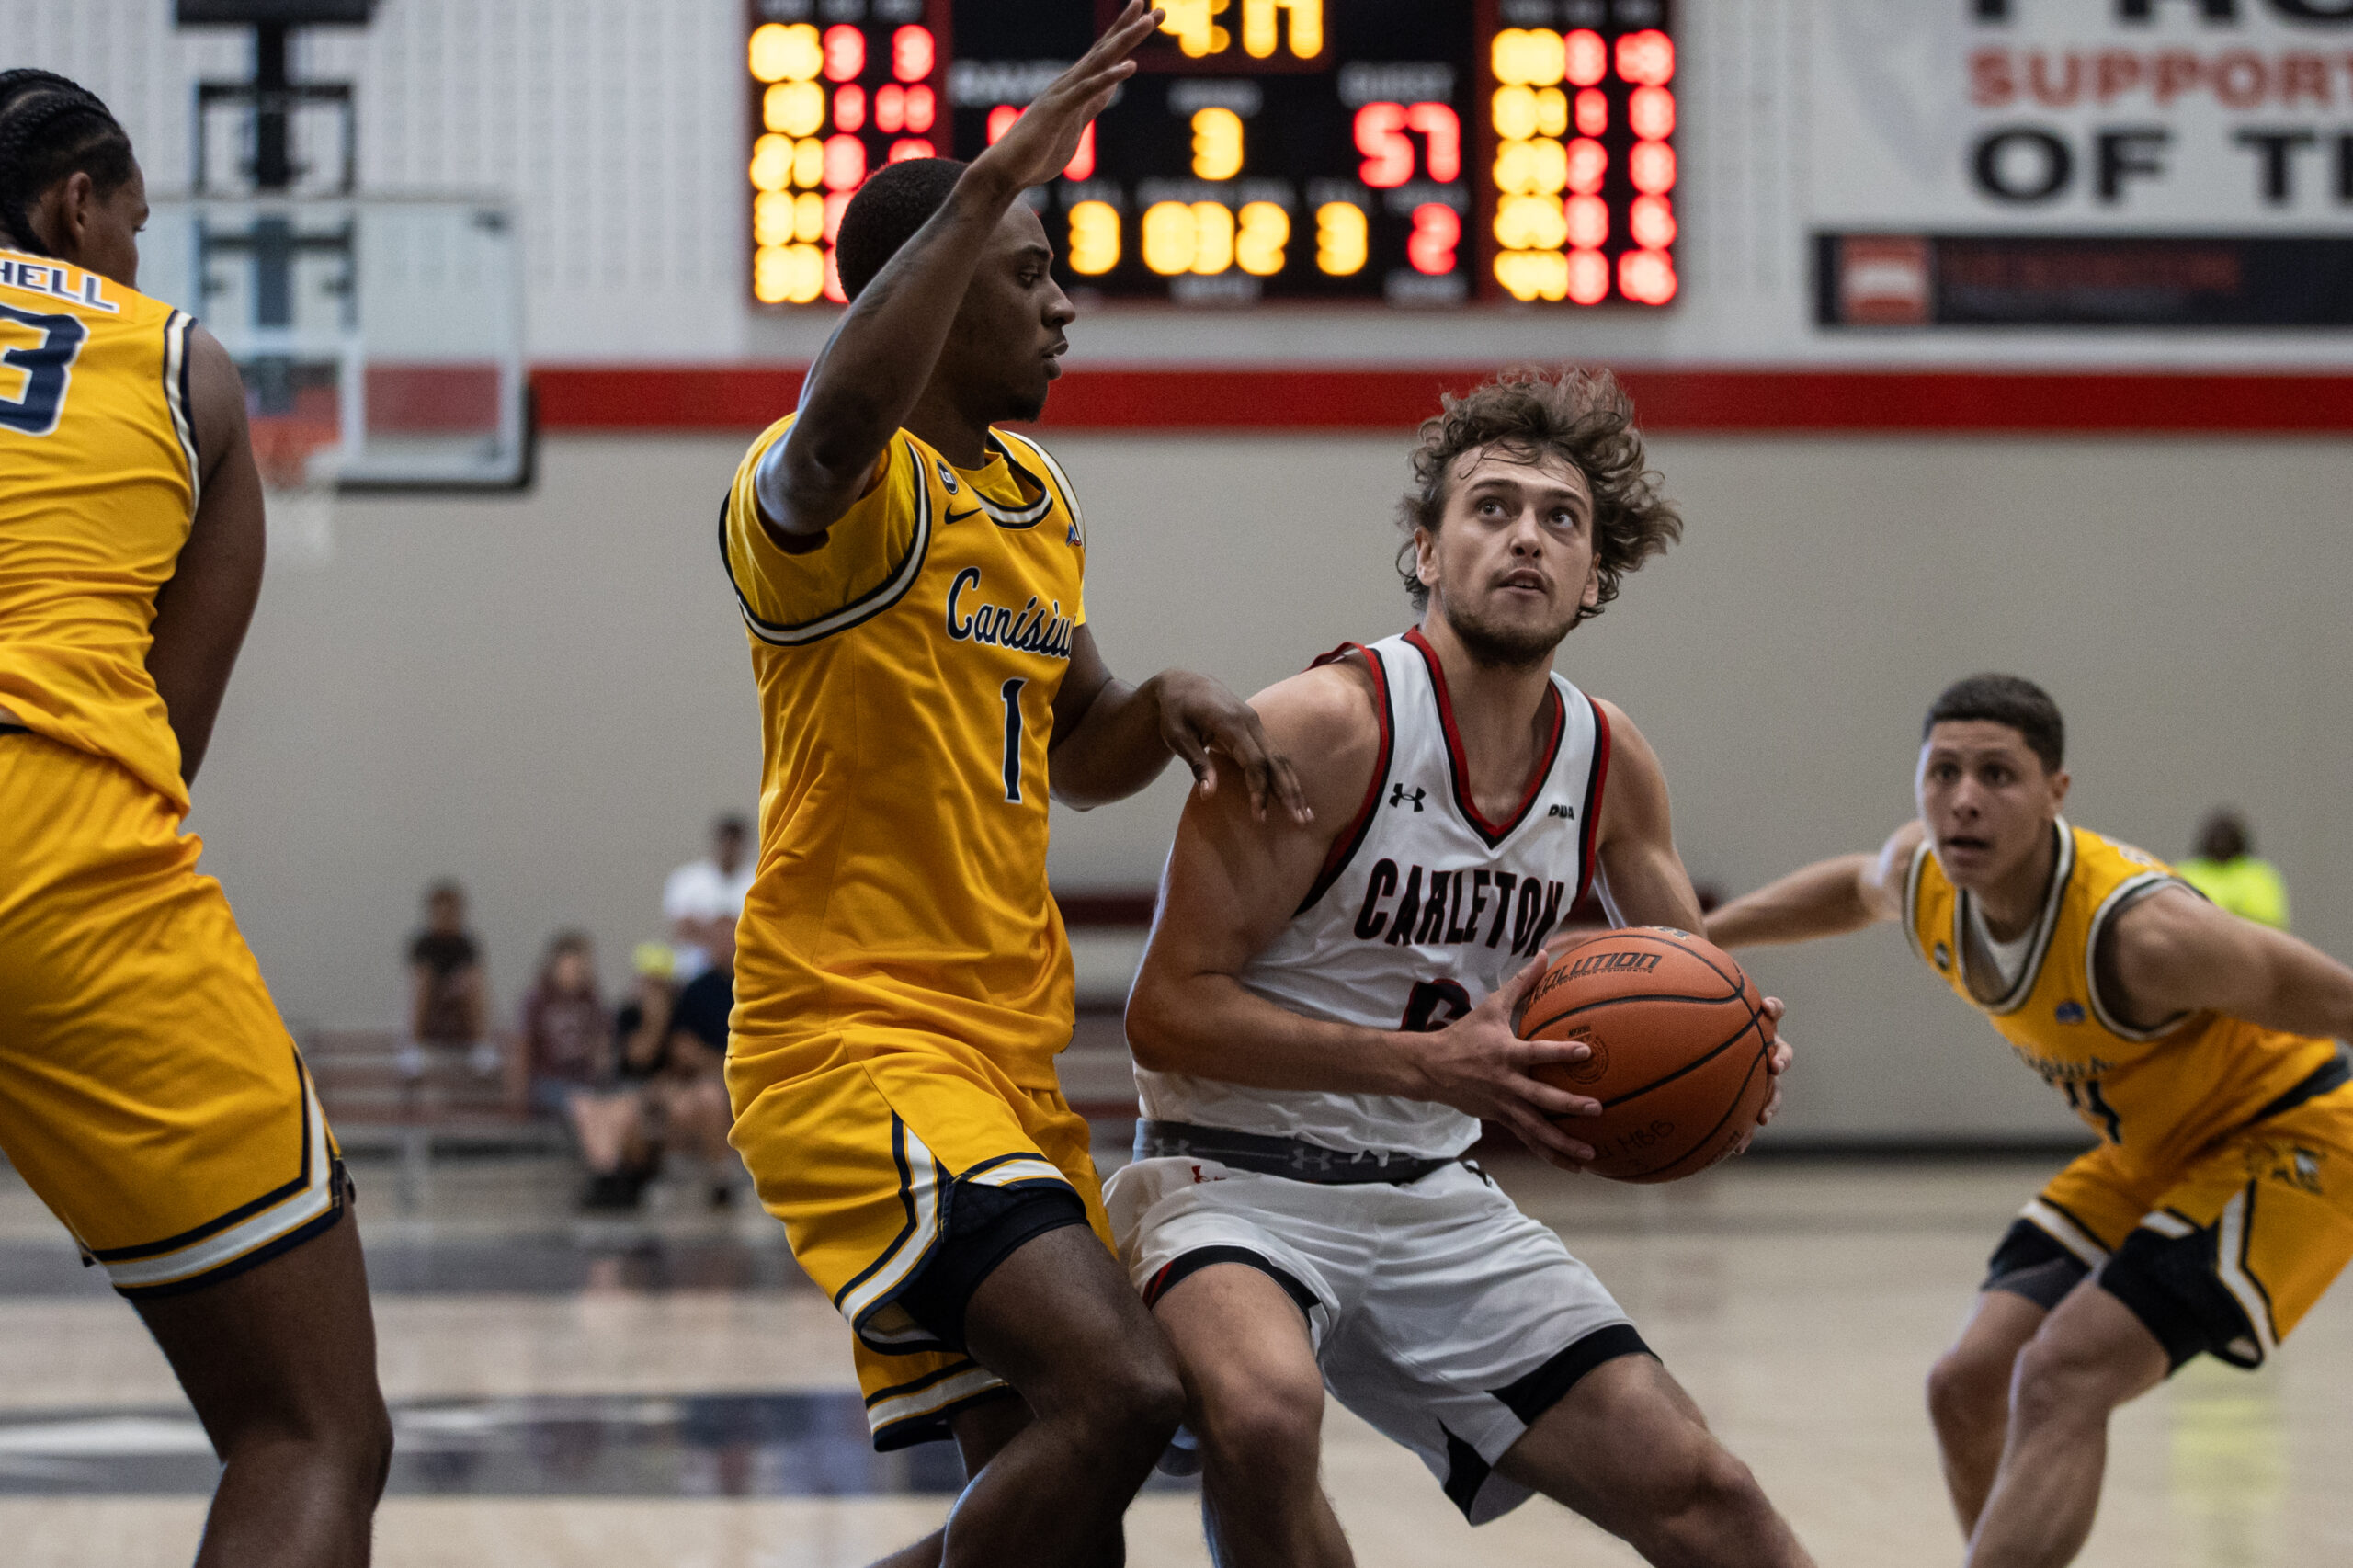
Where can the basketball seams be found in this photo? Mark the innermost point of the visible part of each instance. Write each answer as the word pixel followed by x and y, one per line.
pixel 1694 1064
pixel 1708 1137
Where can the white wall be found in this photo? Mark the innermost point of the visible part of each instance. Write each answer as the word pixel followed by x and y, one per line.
pixel 549 696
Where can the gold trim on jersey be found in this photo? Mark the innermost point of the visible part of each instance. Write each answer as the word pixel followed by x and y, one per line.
pixel 1964 906
pixel 867 606
pixel 2121 897
pixel 176 397
pixel 1027 517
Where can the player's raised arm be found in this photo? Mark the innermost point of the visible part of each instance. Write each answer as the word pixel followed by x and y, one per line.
pixel 202 613
pixel 2174 953
pixel 873 371
pixel 1828 898
pixel 1234 879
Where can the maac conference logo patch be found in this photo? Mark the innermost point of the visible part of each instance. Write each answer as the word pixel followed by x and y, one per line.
pixel 947 475
pixel 1942 956
pixel 2070 1013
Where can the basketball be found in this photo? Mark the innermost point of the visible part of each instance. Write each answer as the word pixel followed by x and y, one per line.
pixel 1679 1042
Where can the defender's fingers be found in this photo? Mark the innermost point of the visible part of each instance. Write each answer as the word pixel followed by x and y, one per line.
pixel 1293 794
pixel 1196 756
pixel 1245 743
pixel 1778 1063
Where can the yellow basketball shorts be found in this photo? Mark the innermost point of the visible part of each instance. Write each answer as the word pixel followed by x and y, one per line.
pixel 864 1156
pixel 148 1091
pixel 2223 1256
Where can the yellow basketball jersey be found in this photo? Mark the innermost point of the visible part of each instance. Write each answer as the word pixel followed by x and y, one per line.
pixel 907 669
pixel 2159 1094
pixel 97 486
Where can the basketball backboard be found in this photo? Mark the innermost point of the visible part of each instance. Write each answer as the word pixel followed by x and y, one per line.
pixel 383 335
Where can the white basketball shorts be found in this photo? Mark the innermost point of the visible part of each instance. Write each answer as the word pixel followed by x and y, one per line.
pixel 1439 1313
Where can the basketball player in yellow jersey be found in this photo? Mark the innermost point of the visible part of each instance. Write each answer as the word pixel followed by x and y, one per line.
pixel 912 581
pixel 148 1092
pixel 2199 1047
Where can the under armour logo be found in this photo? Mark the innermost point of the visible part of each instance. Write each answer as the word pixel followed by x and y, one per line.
pixel 1399 795
pixel 1561 811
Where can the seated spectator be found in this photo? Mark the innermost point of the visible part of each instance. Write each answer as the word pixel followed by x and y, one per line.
pixel 703 898
pixel 613 1121
pixel 690 1091
pixel 566 1035
pixel 2225 870
pixel 448 991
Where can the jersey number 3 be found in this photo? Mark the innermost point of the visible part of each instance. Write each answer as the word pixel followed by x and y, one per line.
pixel 32 398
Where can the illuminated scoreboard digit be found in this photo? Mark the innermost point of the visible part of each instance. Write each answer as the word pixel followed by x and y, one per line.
pixel 838 90
pixel 1420 152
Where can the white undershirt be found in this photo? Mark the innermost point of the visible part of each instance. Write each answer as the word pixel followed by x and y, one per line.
pixel 2009 957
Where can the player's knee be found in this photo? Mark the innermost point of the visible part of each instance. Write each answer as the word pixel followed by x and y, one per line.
pixel 1137 1399
pixel 1968 1390
pixel 1270 1424
pixel 2056 1378
pixel 1712 1492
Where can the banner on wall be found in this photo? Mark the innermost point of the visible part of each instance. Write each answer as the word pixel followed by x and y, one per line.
pixel 2084 162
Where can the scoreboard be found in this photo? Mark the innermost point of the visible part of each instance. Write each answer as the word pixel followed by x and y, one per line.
pixel 1423 153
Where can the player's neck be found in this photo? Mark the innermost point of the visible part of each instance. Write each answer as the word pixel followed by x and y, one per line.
pixel 938 423
pixel 2012 905
pixel 1500 712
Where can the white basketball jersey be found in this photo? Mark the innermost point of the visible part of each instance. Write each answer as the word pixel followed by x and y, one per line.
pixel 1425 908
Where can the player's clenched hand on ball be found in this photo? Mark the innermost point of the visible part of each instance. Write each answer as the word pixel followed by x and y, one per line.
pixel 1479 1064
pixel 1039 145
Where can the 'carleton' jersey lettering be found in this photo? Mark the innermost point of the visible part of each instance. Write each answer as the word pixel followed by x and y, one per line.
pixel 1427 907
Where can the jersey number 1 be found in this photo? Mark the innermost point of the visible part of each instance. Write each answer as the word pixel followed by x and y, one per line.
pixel 1012 694
pixel 33 408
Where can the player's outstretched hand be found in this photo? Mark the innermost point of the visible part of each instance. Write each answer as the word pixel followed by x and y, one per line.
pixel 1478 1064
pixel 1203 721
pixel 1039 145
pixel 1777 1062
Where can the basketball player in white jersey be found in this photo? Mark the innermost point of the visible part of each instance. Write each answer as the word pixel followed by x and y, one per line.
pixel 1324 1011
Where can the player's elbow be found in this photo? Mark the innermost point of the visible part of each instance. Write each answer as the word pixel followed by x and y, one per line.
pixel 1153 1034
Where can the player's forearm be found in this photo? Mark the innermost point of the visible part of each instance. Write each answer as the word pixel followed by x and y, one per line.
pixel 1116 748
pixel 868 378
pixel 1821 899
pixel 1209 1027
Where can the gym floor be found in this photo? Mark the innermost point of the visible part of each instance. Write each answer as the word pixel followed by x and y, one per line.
pixel 671 1391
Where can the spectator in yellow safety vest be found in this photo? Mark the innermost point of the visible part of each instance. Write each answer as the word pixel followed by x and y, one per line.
pixel 2226 870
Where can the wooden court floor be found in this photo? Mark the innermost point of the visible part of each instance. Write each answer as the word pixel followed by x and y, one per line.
pixel 671 1393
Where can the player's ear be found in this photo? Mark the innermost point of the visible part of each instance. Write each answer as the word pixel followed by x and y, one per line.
pixel 2059 782
pixel 1426 557
pixel 1591 598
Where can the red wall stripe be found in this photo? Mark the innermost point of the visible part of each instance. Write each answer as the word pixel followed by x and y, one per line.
pixel 1760 402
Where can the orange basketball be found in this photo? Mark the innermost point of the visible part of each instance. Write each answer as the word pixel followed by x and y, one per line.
pixel 1679 1042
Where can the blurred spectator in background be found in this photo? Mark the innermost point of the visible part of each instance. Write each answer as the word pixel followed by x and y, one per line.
pixel 702 899
pixel 567 1036
pixel 690 1092
pixel 614 1121
pixel 2225 870
pixel 448 992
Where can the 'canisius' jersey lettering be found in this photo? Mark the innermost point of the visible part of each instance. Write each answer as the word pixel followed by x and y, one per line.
pixel 1425 908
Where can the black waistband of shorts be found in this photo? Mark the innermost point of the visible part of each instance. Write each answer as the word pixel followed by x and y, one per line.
pixel 1293 1157
pixel 16 729
pixel 2334 1073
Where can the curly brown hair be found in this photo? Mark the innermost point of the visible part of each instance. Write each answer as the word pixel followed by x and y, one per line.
pixel 1583 415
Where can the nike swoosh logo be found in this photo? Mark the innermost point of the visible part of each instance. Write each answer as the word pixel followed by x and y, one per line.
pixel 960 517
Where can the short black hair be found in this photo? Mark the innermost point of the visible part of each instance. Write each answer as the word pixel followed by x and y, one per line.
pixel 2005 700
pixel 888 207
pixel 52 127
